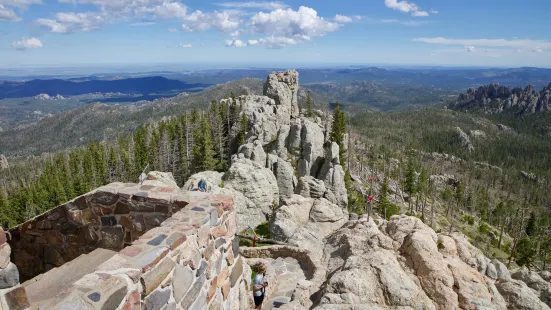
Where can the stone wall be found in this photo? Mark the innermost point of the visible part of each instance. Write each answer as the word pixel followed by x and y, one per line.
pixel 9 275
pixel 188 261
pixel 109 217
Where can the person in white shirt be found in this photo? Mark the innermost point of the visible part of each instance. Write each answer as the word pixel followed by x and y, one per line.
pixel 259 286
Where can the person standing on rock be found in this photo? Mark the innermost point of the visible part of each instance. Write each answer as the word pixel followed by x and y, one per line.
pixel 259 286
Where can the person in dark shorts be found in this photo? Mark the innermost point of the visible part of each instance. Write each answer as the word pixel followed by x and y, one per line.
pixel 259 286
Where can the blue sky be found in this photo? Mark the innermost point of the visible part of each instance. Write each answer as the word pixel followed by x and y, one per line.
pixel 418 32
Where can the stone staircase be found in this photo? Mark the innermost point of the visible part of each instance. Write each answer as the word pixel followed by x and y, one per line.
pixel 47 285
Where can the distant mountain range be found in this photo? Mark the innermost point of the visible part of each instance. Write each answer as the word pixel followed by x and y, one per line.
pixel 447 79
pixel 362 95
pixel 142 85
pixel 96 122
pixel 494 98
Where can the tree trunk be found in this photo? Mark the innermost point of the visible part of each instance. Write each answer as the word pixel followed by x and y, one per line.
pixel 432 215
pixel 268 241
pixel 517 237
pixel 423 208
pixel 501 234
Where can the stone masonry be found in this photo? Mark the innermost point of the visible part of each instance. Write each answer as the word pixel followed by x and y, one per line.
pixel 9 275
pixel 110 217
pixel 187 257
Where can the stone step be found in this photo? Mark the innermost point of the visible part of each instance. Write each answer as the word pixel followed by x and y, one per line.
pixel 49 284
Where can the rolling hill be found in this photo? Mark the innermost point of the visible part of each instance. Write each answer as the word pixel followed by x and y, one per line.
pixel 142 85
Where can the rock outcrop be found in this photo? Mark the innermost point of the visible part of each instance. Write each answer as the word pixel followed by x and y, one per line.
pixel 248 214
pixel 465 141
pixel 306 221
pixel 332 173
pixel 407 265
pixel 494 98
pixel 312 139
pixel 4 162
pixel 161 179
pixel 533 280
pixel 280 146
pixel 255 182
pixel 283 88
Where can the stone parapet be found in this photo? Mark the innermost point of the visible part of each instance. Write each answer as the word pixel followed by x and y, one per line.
pixel 187 257
pixel 110 217
pixel 9 275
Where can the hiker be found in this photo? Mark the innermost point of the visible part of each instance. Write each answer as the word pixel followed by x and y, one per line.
pixel 259 285
pixel 202 186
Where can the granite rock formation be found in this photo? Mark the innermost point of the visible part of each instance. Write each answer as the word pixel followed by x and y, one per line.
pixel 495 98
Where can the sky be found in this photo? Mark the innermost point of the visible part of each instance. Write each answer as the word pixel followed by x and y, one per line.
pixel 487 33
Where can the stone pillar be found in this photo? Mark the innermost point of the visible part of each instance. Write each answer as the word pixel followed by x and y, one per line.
pixel 9 275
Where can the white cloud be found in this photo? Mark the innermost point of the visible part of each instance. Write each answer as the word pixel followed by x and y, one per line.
pixel 272 5
pixel 432 11
pixel 297 25
pixel 235 43
pixel 53 25
pixel 20 3
pixel 358 17
pixel 7 14
pixel 166 10
pixel 223 21
pixel 420 14
pixel 269 42
pixel 409 23
pixel 73 22
pixel 487 42
pixel 470 49
pixel 24 44
pixel 111 11
pixel 278 28
pixel 342 19
pixel 537 50
pixel 186 45
pixel 276 42
pixel 138 24
pixel 406 7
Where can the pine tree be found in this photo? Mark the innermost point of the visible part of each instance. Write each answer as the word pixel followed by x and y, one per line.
pixel 88 172
pixel 203 150
pixel 459 198
pixel 309 106
pixel 384 202
pixel 531 225
pixel 525 252
pixel 338 131
pixel 244 127
pixel 6 213
pixel 112 165
pixel 410 184
pixel 423 189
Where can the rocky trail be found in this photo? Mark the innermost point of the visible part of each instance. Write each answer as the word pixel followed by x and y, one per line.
pixel 288 273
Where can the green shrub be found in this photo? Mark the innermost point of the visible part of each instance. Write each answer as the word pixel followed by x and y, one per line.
pixel 484 228
pixel 391 210
pixel 263 230
pixel 469 219
pixel 440 244
pixel 221 185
